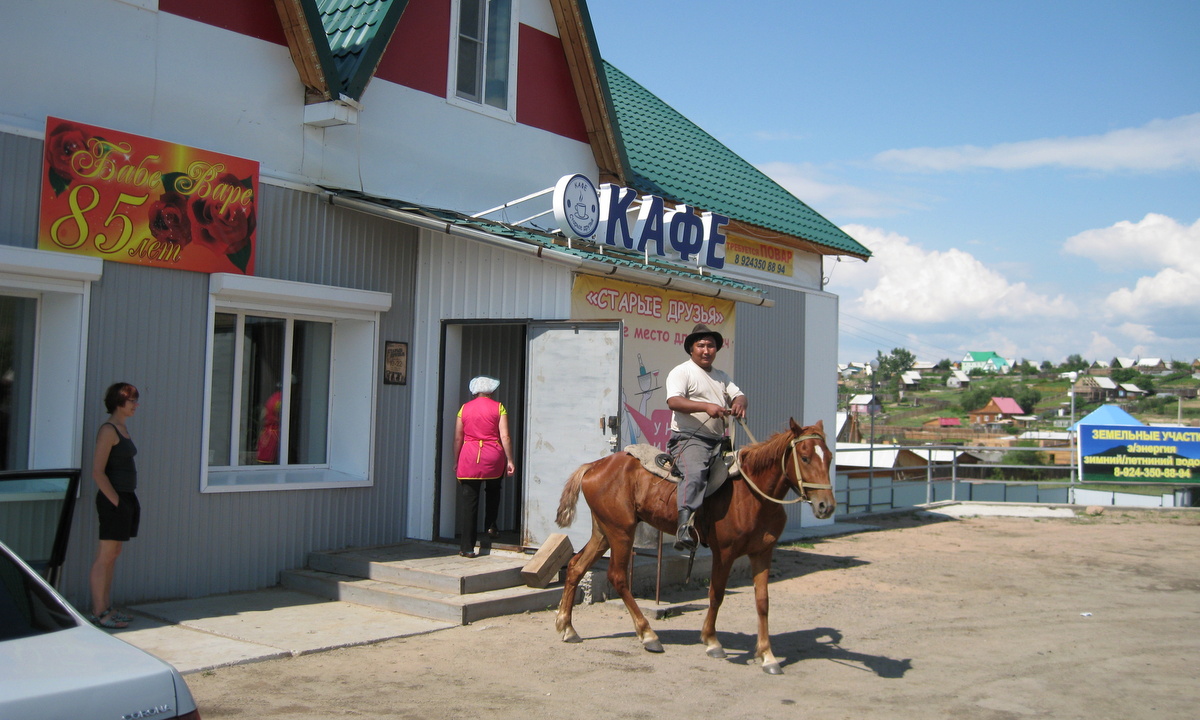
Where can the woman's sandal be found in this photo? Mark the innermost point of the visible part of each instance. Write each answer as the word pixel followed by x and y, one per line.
pixel 106 620
pixel 118 615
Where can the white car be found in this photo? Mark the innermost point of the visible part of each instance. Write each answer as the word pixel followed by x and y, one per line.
pixel 55 664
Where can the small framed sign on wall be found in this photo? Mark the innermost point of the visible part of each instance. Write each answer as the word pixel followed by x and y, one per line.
pixel 395 363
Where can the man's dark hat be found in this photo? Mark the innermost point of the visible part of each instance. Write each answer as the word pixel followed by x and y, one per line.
pixel 702 330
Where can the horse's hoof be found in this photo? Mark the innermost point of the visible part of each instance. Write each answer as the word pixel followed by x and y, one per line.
pixel 654 646
pixel 772 669
pixel 570 636
pixel 716 652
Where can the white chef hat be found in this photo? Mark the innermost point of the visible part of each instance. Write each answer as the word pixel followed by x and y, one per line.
pixel 483 384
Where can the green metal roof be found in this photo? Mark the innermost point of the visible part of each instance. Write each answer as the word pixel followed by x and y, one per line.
pixel 670 156
pixel 351 28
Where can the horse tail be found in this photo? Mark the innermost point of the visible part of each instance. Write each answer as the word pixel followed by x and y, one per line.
pixel 570 497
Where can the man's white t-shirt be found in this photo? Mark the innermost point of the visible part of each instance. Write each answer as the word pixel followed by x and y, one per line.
pixel 689 381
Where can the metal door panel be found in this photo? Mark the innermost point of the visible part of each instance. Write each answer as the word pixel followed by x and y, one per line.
pixel 573 392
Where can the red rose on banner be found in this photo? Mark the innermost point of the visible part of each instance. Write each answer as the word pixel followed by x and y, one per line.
pixel 225 231
pixel 169 221
pixel 63 142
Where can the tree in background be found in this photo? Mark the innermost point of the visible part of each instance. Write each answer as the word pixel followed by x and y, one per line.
pixel 974 398
pixel 1025 368
pixel 892 366
pixel 981 393
pixel 944 365
pixel 1021 456
pixel 1027 398
pixel 1074 362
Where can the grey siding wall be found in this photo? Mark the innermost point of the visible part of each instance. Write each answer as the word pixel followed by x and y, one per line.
pixel 770 348
pixel 20 168
pixel 776 369
pixel 148 327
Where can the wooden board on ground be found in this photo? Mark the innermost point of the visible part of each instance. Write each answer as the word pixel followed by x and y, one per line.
pixel 548 560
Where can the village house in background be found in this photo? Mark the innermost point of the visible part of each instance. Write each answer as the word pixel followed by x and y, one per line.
pixel 985 361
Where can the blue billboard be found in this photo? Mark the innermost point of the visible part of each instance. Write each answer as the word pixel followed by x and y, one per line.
pixel 1130 453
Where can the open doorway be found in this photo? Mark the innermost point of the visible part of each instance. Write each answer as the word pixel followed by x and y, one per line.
pixel 472 348
pixel 560 382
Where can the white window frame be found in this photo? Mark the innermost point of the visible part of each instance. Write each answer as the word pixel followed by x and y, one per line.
pixel 62 285
pixel 354 364
pixel 509 114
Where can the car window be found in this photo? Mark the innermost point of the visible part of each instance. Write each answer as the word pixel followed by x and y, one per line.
pixel 26 608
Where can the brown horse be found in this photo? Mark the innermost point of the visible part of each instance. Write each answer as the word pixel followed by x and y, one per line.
pixel 744 517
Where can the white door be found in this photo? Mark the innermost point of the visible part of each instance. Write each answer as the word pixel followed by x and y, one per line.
pixel 573 393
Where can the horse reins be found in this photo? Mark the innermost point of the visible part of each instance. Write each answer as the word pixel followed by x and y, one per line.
pixel 800 490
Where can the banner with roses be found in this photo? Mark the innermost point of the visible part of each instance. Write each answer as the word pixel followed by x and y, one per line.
pixel 132 199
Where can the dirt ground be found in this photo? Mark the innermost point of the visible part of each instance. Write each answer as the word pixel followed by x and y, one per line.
pixel 987 618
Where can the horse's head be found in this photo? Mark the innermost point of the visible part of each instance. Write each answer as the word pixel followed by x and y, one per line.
pixel 809 467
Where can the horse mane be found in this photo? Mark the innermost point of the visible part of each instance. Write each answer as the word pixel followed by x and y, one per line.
pixel 765 455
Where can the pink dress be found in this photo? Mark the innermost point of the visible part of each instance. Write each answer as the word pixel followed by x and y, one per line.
pixel 482 456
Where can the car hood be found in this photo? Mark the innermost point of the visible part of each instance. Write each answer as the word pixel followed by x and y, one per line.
pixel 85 672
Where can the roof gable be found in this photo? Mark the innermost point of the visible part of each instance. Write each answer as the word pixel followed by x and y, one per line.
pixel 336 44
pixel 671 157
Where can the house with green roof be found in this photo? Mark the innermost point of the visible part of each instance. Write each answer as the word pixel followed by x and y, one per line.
pixel 985 361
pixel 301 227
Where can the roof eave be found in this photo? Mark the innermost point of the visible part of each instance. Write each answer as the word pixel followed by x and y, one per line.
pixel 309 49
pixel 591 88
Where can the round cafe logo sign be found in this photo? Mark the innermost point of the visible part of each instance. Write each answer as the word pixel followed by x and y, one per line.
pixel 577 206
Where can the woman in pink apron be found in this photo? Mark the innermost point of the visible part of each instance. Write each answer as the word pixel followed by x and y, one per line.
pixel 484 451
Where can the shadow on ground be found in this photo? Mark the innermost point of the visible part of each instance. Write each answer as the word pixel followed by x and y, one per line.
pixel 790 648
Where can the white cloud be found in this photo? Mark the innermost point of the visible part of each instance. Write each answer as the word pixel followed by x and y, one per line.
pixel 903 282
pixel 1156 242
pixel 1157 145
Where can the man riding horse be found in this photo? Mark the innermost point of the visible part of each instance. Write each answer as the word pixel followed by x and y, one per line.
pixel 700 397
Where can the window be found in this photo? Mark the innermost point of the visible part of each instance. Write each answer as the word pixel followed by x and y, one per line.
pixel 291 385
pixel 44 302
pixel 250 398
pixel 484 54
pixel 18 320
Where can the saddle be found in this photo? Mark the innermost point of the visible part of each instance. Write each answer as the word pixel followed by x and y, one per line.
pixel 662 465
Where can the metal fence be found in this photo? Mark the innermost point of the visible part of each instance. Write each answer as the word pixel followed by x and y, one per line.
pixel 862 490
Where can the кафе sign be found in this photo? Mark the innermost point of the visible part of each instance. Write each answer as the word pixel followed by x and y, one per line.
pixel 602 216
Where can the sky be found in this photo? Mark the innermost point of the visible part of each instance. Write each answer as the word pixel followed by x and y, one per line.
pixel 1026 174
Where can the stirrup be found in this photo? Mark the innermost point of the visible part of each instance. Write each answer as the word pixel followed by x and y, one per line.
pixel 685 537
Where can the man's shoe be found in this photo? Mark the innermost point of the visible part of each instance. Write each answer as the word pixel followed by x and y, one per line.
pixel 684 537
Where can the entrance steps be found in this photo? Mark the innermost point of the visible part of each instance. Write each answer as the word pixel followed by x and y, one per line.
pixel 424 579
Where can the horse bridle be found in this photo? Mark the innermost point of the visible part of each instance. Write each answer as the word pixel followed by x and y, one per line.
pixel 801 485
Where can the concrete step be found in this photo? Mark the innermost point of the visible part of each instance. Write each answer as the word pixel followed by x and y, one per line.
pixel 424 565
pixel 419 601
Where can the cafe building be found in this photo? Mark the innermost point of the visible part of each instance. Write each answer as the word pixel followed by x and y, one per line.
pixel 300 232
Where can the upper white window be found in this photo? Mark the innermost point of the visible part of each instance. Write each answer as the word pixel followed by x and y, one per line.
pixel 484 55
pixel 291 381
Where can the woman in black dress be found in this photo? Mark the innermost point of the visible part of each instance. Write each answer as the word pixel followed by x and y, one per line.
pixel 115 474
